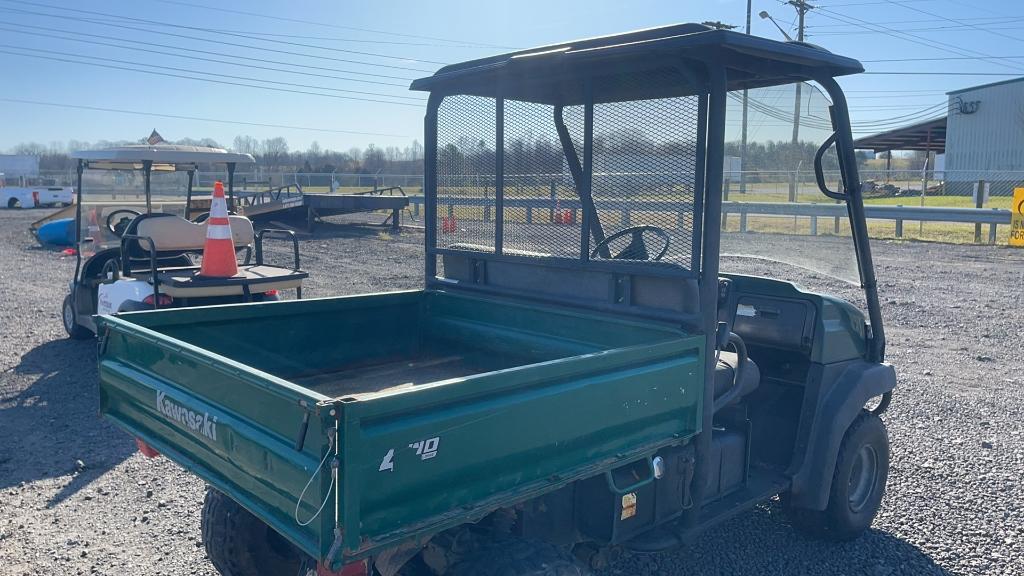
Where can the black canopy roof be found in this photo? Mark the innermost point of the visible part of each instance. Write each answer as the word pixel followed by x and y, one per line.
pixel 653 63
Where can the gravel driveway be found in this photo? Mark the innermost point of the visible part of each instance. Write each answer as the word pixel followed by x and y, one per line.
pixel 75 498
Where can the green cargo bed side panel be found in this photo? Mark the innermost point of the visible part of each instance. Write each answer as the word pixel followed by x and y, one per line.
pixel 232 427
pixel 564 394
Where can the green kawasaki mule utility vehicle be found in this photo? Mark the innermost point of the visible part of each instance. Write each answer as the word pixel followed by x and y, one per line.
pixel 576 377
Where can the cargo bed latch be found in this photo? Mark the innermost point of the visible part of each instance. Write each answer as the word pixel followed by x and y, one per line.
pixel 300 440
pixel 101 341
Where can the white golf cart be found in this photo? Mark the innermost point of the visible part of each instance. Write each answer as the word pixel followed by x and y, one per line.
pixel 137 248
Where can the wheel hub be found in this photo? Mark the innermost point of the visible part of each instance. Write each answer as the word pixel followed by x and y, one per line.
pixel 863 477
pixel 69 317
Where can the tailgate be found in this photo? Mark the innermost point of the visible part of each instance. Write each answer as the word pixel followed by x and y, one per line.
pixel 235 427
pixel 422 461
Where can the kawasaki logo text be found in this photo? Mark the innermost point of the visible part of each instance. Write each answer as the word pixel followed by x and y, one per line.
pixel 195 422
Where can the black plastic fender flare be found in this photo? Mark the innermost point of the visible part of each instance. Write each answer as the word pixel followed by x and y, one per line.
pixel 858 384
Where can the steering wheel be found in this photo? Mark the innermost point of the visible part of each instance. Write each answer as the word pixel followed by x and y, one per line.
pixel 118 228
pixel 636 249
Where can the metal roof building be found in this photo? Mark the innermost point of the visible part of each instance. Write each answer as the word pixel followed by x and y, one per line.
pixel 985 129
pixel 982 136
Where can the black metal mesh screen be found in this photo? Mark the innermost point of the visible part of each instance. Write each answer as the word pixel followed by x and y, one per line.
pixel 465 172
pixel 644 169
pixel 542 210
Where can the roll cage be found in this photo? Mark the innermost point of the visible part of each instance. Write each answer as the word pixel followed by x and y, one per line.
pixel 473 106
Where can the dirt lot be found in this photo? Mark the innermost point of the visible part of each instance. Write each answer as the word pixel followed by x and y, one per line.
pixel 75 498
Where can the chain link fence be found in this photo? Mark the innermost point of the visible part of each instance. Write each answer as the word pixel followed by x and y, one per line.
pixel 912 188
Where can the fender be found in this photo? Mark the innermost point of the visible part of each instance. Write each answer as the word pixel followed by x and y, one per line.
pixel 837 408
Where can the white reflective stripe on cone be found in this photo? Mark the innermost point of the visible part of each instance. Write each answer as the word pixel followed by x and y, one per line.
pixel 218 232
pixel 218 208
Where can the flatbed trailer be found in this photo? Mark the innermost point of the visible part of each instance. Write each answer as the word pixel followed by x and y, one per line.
pixel 293 203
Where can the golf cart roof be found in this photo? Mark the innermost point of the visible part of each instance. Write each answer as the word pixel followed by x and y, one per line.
pixel 665 62
pixel 165 157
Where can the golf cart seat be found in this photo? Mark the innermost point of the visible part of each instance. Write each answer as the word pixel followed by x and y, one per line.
pixel 725 373
pixel 173 235
pixel 251 279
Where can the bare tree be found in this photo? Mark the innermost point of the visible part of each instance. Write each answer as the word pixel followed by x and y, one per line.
pixel 275 152
pixel 245 144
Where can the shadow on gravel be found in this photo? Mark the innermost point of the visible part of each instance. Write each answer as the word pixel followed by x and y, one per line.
pixel 763 542
pixel 49 419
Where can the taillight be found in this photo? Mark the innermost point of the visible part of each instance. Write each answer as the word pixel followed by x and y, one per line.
pixel 271 293
pixel 165 300
pixel 359 568
pixel 147 450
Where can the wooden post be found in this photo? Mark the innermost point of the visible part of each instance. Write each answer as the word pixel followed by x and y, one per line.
pixel 899 224
pixel 529 214
pixel 743 221
pixel 814 225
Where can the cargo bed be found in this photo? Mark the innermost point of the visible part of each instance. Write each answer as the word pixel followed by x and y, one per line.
pixel 443 405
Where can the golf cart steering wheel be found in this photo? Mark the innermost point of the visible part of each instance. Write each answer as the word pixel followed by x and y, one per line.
pixel 637 249
pixel 118 228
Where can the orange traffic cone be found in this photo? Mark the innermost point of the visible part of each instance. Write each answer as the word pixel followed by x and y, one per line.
pixel 448 224
pixel 219 251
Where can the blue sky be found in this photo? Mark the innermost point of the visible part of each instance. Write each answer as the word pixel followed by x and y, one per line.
pixel 413 38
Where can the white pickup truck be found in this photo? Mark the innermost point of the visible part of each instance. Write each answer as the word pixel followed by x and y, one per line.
pixel 28 197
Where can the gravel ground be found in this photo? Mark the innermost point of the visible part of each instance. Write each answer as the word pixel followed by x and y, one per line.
pixel 75 498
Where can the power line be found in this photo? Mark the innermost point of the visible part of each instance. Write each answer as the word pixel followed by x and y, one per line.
pixel 908 37
pixel 324 24
pixel 193 118
pixel 941 58
pixel 903 4
pixel 939 29
pixel 359 40
pixel 992 19
pixel 220 82
pixel 199 58
pixel 211 30
pixel 871 3
pixel 219 42
pixel 213 53
pixel 901 73
pixel 216 74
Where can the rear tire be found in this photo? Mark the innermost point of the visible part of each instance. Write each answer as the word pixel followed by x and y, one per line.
pixel 858 484
pixel 519 558
pixel 13 203
pixel 70 319
pixel 240 544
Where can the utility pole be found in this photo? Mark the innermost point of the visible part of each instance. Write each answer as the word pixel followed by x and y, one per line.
pixel 802 7
pixel 743 141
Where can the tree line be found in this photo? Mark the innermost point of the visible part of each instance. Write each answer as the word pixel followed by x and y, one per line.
pixel 616 150
pixel 272 154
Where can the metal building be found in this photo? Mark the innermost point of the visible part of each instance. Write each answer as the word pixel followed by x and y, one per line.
pixel 985 132
pixel 982 137
pixel 14 166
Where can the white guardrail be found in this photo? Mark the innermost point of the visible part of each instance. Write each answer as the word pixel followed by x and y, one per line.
pixel 546 207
